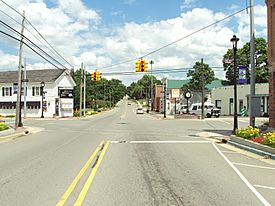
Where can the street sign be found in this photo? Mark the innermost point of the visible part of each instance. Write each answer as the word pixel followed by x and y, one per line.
pixel 175 93
pixel 242 74
pixel 66 93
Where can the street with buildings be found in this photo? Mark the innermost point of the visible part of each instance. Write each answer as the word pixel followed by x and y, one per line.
pixel 143 160
pixel 102 105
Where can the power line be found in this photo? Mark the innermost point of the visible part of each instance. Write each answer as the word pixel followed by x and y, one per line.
pixel 19 34
pixel 29 48
pixel 37 32
pixel 52 50
pixel 180 39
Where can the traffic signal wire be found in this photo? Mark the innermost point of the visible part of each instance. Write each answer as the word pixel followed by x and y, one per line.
pixel 31 42
pixel 178 40
pixel 53 49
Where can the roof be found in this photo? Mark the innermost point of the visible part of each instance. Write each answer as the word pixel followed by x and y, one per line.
pixel 46 75
pixel 214 84
pixel 177 84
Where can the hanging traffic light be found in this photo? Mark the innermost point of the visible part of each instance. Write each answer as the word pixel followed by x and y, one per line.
pixel 138 65
pixel 98 76
pixel 93 78
pixel 143 65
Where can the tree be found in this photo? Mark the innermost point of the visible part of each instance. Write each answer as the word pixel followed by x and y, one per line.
pixel 243 58
pixel 99 93
pixel 141 88
pixel 198 73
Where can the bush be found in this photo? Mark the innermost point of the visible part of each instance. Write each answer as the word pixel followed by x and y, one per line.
pixel 248 133
pixel 10 115
pixel 76 113
pixel 3 126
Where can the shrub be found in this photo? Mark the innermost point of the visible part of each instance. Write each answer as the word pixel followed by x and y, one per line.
pixel 10 115
pixel 3 126
pixel 248 133
pixel 76 113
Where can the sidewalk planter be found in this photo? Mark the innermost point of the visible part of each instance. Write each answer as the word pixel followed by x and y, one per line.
pixel 252 146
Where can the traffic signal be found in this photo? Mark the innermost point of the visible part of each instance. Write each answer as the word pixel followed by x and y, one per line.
pixel 98 76
pixel 94 76
pixel 138 65
pixel 143 65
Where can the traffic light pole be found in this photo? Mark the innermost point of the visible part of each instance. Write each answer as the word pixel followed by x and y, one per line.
pixel 84 95
pixel 80 93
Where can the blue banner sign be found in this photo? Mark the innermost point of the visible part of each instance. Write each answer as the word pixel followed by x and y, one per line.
pixel 242 74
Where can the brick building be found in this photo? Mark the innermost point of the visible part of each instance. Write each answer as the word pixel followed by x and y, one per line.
pixel 271 59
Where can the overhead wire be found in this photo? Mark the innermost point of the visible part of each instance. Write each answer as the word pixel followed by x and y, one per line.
pixel 37 32
pixel 180 39
pixel 18 33
pixel 5 33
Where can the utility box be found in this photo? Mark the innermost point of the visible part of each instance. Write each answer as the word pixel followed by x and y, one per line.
pixel 255 105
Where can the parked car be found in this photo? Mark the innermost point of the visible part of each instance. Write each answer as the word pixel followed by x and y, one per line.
pixel 183 109
pixel 140 110
pixel 209 110
pixel 129 103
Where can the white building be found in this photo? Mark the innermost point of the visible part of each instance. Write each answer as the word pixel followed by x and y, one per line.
pixel 222 97
pixel 58 93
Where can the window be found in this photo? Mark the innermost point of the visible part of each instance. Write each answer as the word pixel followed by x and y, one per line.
pixel 6 91
pixel 218 104
pixel 35 91
pixel 194 108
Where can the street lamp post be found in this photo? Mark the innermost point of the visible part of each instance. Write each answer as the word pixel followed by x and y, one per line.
pixel 42 85
pixel 234 41
pixel 152 101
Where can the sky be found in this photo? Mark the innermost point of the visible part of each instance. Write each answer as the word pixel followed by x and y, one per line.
pixel 103 33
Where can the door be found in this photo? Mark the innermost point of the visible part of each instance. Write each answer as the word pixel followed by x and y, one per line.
pixel 57 106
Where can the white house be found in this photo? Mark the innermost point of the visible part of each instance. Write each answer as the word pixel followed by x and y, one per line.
pixel 222 97
pixel 58 93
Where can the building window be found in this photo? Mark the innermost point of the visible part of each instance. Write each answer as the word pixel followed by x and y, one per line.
pixel 6 91
pixel 35 91
pixel 218 104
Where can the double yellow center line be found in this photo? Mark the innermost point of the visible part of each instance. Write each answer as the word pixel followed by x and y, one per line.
pixel 100 148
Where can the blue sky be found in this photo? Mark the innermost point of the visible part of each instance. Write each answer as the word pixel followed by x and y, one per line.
pixel 104 32
pixel 142 11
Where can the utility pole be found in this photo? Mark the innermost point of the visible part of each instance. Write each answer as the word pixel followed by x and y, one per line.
pixel 84 96
pixel 80 93
pixel 18 119
pixel 25 88
pixel 202 89
pixel 252 63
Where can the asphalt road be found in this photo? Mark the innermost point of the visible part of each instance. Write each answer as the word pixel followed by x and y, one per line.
pixel 120 158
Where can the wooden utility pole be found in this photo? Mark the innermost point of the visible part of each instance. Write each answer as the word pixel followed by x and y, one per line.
pixel 80 94
pixel 202 89
pixel 18 119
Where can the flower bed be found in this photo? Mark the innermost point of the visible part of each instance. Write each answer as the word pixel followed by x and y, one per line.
pixel 254 134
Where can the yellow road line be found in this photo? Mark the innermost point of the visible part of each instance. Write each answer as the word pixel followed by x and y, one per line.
pixel 77 178
pixel 89 181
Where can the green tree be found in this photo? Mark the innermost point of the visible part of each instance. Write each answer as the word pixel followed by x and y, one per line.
pixel 141 88
pixel 102 93
pixel 243 58
pixel 198 73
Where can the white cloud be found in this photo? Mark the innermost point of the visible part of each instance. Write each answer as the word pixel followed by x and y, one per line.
pixel 129 2
pixel 187 4
pixel 80 37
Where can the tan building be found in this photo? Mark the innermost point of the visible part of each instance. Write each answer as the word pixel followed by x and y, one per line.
pixel 222 97
pixel 158 94
pixel 271 59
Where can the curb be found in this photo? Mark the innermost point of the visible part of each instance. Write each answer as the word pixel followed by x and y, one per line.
pixel 20 133
pixel 253 147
